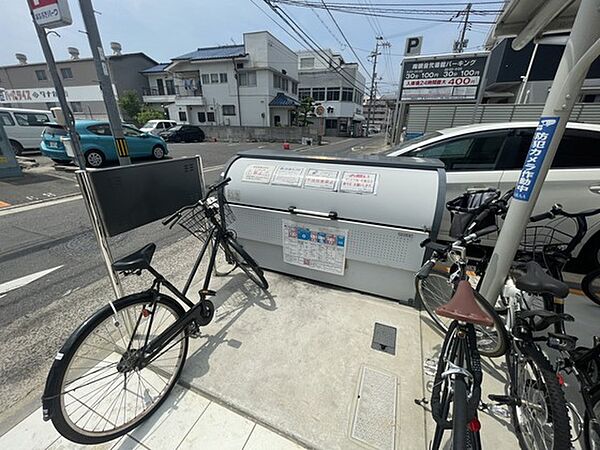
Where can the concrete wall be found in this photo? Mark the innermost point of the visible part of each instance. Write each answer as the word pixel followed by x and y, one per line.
pixel 260 134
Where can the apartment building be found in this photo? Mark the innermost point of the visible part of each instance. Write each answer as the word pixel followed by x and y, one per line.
pixel 337 86
pixel 29 85
pixel 251 84
pixel 382 112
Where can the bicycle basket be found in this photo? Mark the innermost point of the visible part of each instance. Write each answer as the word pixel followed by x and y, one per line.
pixel 465 208
pixel 196 222
pixel 553 236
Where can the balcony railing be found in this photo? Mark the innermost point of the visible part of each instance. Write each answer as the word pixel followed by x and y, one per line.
pixel 178 91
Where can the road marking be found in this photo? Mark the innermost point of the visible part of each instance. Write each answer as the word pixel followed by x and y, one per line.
pixel 39 204
pixel 213 168
pixel 3 204
pixel 24 281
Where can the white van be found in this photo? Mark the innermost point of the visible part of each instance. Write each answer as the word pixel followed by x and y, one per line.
pixel 157 126
pixel 24 127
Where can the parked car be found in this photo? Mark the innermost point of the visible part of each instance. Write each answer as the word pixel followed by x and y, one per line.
pixel 158 126
pixel 183 133
pixel 98 145
pixel 491 155
pixel 24 127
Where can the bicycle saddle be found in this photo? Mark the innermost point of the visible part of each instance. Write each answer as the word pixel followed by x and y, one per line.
pixel 463 307
pixel 137 260
pixel 537 281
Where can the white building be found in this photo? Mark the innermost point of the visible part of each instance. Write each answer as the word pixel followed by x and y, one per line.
pixel 254 84
pixel 337 86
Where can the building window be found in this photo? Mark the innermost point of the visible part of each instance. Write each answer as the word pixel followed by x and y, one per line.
pixel 358 97
pixel 66 73
pixel 347 94
pixel 280 82
pixel 229 110
pixel 210 116
pixel 247 78
pixel 307 63
pixel 239 65
pixel 331 124
pixel 76 107
pixel 223 77
pixel 41 75
pixel 318 94
pixel 214 77
pixel 294 87
pixel 205 78
pixel 303 93
pixel 170 85
pixel 182 116
pixel 202 117
pixel 333 94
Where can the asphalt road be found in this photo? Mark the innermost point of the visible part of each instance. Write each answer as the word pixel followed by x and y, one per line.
pixel 52 276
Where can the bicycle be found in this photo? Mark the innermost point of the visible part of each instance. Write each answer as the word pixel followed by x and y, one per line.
pixel 119 366
pixel 457 382
pixel 590 285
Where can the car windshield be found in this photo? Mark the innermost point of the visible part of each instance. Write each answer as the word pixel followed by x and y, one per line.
pixel 414 141
pixel 150 124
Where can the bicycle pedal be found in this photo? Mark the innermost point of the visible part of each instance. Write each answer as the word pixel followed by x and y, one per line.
pixel 502 399
pixel 560 341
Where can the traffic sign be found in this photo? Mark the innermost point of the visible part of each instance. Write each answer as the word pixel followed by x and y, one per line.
pixel 413 46
pixel 51 13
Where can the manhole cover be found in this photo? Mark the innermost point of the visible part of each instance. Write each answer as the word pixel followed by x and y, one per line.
pixel 384 338
pixel 374 421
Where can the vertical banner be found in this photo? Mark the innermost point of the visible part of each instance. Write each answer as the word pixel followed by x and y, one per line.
pixel 535 157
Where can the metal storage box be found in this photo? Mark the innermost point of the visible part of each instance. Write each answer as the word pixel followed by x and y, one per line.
pixel 350 222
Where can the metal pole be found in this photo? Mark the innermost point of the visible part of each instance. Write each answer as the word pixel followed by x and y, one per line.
pixel 582 48
pixel 114 119
pixel 525 79
pixel 60 94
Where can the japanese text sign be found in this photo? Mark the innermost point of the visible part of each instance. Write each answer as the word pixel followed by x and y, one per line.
pixel 51 13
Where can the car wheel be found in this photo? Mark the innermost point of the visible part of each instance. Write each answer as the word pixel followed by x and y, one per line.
pixel 158 152
pixel 17 148
pixel 94 158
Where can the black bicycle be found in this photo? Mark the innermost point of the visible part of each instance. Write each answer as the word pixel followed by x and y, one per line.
pixel 119 366
pixel 590 285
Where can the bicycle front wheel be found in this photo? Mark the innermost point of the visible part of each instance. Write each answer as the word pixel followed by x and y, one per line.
pixel 590 285
pixel 436 290
pixel 539 412
pixel 245 262
pixel 95 391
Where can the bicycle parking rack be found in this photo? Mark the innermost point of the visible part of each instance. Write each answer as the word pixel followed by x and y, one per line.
pixel 350 222
pixel 124 198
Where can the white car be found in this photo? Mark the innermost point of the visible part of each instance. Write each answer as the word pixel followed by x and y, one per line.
pixel 157 126
pixel 24 127
pixel 491 155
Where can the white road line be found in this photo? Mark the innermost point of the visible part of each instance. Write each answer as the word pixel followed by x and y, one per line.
pixel 24 281
pixel 37 205
pixel 213 168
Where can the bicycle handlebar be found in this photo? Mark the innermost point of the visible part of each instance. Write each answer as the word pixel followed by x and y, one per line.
pixel 215 187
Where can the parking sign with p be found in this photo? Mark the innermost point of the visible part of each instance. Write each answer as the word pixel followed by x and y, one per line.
pixel 413 46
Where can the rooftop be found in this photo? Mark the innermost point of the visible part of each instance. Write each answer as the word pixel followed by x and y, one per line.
pixel 156 69
pixel 225 51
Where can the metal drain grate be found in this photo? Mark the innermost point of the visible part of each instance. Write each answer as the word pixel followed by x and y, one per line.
pixel 384 338
pixel 374 421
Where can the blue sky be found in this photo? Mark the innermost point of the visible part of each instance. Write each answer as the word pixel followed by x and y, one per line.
pixel 164 29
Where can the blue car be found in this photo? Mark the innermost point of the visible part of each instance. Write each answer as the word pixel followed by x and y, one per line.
pixel 98 145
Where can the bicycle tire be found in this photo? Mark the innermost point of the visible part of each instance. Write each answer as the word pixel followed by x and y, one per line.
pixel 587 286
pixel 459 414
pixel 59 385
pixel 245 261
pixel 548 389
pixel 431 297
pixel 591 439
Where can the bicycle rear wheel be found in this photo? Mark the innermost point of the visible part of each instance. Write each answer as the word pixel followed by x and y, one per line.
pixel 590 435
pixel 590 285
pixel 94 391
pixel 245 261
pixel 539 412
pixel 436 290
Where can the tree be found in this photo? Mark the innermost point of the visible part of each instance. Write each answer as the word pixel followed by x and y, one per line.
pixel 147 114
pixel 130 104
pixel 306 111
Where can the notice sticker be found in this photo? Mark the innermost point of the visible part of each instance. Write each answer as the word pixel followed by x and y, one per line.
pixel 288 176
pixel 258 174
pixel 358 182
pixel 535 157
pixel 315 247
pixel 325 180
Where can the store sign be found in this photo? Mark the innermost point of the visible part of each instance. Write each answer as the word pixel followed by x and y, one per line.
pixel 51 13
pixel 454 77
pixel 91 93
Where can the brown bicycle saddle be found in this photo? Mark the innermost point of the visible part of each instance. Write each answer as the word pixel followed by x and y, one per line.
pixel 463 307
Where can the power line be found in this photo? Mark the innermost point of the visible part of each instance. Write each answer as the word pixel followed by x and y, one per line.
pixel 341 44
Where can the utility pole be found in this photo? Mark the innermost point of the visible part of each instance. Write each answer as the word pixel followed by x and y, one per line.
pixel 60 94
pixel 114 119
pixel 461 44
pixel 378 43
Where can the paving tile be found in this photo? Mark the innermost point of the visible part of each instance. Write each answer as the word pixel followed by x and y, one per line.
pixel 263 439
pixel 167 427
pixel 31 434
pixel 65 444
pixel 218 429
